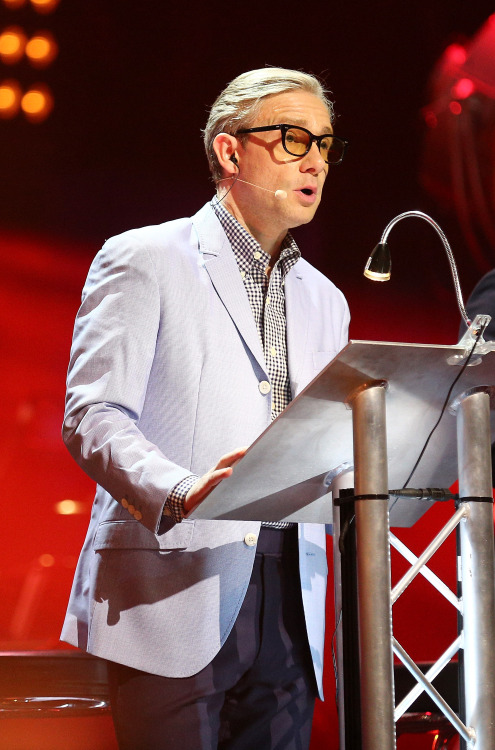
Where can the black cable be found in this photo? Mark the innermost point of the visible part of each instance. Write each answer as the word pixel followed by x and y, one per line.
pixel 334 658
pixel 233 177
pixel 447 399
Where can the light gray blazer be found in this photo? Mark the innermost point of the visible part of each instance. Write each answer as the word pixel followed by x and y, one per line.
pixel 163 379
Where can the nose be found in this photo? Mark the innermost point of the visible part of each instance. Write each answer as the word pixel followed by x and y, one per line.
pixel 313 161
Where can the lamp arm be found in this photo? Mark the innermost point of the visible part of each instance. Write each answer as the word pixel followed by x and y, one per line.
pixel 450 256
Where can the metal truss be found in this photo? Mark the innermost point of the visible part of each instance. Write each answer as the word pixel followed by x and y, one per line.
pixel 424 681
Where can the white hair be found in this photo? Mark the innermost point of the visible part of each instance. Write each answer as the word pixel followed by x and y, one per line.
pixel 239 103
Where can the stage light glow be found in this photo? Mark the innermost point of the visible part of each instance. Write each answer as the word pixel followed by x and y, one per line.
pixel 69 507
pixel 456 54
pixel 455 108
pixel 12 45
pixel 46 560
pixel 41 49
pixel 430 119
pixel 463 88
pixel 13 4
pixel 44 6
pixel 66 507
pixel 10 99
pixel 37 103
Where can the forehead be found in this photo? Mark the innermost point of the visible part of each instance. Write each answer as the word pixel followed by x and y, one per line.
pixel 296 108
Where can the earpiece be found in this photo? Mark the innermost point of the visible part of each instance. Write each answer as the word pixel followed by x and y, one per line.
pixel 234 160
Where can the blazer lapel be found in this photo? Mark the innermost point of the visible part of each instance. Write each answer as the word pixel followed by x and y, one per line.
pixel 296 313
pixel 221 265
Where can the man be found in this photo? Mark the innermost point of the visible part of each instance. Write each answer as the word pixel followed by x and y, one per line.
pixel 191 337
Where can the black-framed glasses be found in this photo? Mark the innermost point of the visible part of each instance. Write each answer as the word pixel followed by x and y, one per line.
pixel 297 141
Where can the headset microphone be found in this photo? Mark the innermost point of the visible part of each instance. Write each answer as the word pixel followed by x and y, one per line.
pixel 280 194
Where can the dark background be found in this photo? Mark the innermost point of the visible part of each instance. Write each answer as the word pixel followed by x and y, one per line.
pixel 132 85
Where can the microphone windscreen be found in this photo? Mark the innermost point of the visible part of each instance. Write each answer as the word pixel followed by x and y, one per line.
pixel 280 194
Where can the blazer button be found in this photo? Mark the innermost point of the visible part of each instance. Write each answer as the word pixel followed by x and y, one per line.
pixel 124 502
pixel 250 539
pixel 138 515
pixel 264 387
pixel 131 509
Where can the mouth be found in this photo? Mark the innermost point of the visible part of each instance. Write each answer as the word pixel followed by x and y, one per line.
pixel 308 194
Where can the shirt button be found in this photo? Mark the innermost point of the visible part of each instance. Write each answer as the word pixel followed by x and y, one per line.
pixel 243 274
pixel 267 300
pixel 273 351
pixel 264 387
pixel 250 539
pixel 257 255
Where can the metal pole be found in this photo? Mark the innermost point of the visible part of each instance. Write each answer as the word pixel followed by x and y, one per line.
pixel 373 568
pixel 477 564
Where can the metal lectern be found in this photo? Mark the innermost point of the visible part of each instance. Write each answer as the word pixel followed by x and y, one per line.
pixel 372 409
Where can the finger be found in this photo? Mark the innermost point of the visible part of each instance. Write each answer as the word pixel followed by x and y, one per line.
pixel 230 458
pixel 204 486
pixel 215 477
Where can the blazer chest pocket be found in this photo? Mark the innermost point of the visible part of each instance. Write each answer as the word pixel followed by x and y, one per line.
pixel 133 535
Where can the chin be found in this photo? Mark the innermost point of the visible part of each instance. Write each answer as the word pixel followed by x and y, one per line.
pixel 303 217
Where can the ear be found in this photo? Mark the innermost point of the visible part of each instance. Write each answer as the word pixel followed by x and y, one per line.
pixel 226 147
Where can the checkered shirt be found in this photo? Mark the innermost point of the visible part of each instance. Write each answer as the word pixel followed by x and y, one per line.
pixel 266 295
pixel 267 298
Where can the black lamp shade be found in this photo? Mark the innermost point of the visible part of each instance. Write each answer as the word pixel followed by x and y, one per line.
pixel 379 265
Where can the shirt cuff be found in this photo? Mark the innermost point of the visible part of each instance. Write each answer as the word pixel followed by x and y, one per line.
pixel 174 504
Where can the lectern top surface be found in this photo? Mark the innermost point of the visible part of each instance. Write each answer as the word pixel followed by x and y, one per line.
pixel 282 475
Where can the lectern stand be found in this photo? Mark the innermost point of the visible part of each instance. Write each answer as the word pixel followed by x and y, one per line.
pixel 373 408
pixel 373 565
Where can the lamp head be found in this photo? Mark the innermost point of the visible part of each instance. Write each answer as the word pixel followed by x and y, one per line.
pixel 379 265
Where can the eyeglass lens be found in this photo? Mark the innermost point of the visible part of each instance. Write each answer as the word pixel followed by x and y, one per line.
pixel 297 144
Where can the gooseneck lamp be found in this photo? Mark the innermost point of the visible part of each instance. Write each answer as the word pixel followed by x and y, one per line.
pixel 379 265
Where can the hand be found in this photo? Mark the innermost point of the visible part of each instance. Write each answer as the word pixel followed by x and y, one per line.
pixel 208 481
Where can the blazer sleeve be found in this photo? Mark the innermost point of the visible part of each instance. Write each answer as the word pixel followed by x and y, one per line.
pixel 112 353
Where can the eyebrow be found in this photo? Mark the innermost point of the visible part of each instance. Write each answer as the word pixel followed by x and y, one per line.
pixel 302 124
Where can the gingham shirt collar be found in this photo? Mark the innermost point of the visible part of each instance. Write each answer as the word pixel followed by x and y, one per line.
pixel 244 245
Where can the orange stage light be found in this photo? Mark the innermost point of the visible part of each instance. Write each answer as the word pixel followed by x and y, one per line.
pixel 12 45
pixel 46 560
pixel 10 99
pixel 41 49
pixel 37 103
pixel 70 507
pixel 44 6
